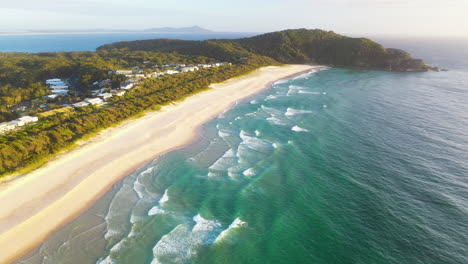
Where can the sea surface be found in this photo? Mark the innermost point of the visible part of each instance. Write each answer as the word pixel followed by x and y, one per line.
pixel 332 166
pixel 89 42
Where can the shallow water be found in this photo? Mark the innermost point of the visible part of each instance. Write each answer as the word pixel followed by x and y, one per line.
pixel 334 166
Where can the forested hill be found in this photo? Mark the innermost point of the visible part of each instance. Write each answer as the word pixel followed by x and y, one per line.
pixel 290 46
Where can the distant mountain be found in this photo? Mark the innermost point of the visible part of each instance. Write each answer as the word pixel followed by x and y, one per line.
pixel 194 29
pixel 290 46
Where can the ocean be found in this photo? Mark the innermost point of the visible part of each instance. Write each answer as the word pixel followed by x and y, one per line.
pixel 89 42
pixel 332 166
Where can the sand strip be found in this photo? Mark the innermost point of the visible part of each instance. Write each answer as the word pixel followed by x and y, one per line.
pixel 34 206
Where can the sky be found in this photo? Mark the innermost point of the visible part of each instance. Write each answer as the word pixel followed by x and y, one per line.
pixel 354 17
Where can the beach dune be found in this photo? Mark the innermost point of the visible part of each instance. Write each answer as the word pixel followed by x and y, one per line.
pixel 35 205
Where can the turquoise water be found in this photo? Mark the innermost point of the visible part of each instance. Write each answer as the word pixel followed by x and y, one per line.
pixel 333 166
pixel 89 42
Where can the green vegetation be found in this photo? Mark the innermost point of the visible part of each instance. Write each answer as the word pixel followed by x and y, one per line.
pixel 289 46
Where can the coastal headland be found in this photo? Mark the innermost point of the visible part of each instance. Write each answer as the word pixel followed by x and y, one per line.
pixel 39 203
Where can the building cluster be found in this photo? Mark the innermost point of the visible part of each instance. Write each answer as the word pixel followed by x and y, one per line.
pixel 8 126
pixel 57 87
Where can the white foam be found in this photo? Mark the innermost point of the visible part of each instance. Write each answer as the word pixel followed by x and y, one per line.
pixel 203 224
pixel 155 210
pixel 254 102
pixel 223 133
pixel 276 121
pixel 271 97
pixel 237 223
pixel 107 260
pixel 257 133
pixel 139 189
pixel 136 218
pixel 281 81
pixel 305 92
pixel 305 75
pixel 165 198
pixel 225 161
pixel 271 111
pixel 299 129
pixel 111 233
pixel 249 172
pixel 292 112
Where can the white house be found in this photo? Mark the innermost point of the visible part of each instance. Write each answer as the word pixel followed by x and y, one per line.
pixel 171 72
pixel 123 72
pixel 28 119
pixel 94 101
pixel 127 86
pixel 105 96
pixel 16 123
pixel 53 80
pixel 59 87
pixel 60 92
pixel 119 93
pixel 52 96
pixel 189 69
pixel 80 104
pixel 4 127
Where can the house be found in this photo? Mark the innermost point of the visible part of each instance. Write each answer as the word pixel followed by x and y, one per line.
pixel 80 104
pixel 52 96
pixel 118 93
pixel 105 96
pixel 94 101
pixel 171 72
pixel 127 85
pixel 28 119
pixel 4 127
pixel 15 123
pixel 60 92
pixel 53 80
pixel 59 87
pixel 189 69
pixel 123 72
pixel 8 126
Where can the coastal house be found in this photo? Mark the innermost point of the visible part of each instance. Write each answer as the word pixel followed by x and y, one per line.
pixel 15 123
pixel 59 87
pixel 171 72
pixel 80 104
pixel 94 101
pixel 4 127
pixel 127 85
pixel 28 119
pixel 189 69
pixel 105 96
pixel 123 72
pixel 118 93
pixel 60 92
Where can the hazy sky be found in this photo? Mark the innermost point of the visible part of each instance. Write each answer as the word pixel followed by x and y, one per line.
pixel 396 17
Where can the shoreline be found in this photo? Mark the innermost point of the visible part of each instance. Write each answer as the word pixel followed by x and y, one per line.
pixel 66 187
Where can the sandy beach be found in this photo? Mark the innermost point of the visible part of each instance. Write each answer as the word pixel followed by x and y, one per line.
pixel 35 205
